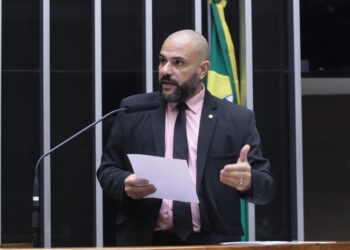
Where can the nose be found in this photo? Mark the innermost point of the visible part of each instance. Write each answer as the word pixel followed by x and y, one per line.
pixel 165 69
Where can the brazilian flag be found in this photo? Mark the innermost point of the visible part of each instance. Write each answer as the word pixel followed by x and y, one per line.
pixel 222 79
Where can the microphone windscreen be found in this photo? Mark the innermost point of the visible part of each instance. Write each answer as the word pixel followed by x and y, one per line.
pixel 136 107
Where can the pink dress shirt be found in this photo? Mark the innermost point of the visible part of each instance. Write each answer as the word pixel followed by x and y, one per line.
pixel 193 117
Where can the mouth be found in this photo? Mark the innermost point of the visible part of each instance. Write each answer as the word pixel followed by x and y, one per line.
pixel 168 84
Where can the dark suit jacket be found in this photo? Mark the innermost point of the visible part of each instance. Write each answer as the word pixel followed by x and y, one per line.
pixel 220 141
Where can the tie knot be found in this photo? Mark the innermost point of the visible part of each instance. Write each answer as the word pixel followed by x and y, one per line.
pixel 181 106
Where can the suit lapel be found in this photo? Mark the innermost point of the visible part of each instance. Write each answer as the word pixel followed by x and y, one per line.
pixel 207 125
pixel 158 126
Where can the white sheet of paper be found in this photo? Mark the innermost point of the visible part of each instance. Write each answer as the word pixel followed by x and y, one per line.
pixel 171 177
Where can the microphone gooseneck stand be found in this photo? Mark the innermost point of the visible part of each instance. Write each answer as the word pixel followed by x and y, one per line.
pixel 36 185
pixel 137 104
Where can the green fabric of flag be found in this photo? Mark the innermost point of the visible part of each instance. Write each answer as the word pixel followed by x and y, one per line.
pixel 222 79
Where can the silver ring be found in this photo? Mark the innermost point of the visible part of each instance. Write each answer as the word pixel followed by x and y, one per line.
pixel 240 181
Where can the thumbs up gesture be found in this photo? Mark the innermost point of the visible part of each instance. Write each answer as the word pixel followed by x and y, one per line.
pixel 238 175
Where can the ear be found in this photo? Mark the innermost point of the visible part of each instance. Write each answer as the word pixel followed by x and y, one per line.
pixel 203 69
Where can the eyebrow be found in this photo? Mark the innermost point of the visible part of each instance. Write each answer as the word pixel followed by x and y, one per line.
pixel 172 58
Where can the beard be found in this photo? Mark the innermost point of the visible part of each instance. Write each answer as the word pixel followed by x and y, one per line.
pixel 182 91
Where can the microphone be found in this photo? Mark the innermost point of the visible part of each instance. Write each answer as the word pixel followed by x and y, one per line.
pixel 136 107
pixel 128 108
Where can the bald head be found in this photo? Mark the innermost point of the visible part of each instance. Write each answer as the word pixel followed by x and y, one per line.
pixel 183 64
pixel 191 41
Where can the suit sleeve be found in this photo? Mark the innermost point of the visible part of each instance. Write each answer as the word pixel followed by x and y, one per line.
pixel 115 166
pixel 263 185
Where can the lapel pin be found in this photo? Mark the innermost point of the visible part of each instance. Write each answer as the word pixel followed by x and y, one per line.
pixel 210 116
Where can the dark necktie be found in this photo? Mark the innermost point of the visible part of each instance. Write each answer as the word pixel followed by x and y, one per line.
pixel 182 217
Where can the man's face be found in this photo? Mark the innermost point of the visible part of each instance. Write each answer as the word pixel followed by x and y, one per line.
pixel 174 91
pixel 178 71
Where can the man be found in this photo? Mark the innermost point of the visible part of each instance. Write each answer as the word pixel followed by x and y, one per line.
pixel 222 147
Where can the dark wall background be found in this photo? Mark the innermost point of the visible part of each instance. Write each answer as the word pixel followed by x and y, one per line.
pixel 72 103
pixel 326 137
pixel 122 72
pixel 325 33
pixel 325 36
pixel 71 109
pixel 20 115
pixel 273 102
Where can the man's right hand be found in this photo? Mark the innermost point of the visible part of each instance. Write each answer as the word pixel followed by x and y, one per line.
pixel 137 188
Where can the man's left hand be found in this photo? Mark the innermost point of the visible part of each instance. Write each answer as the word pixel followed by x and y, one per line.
pixel 238 175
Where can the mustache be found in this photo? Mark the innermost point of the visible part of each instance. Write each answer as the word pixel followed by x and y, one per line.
pixel 168 80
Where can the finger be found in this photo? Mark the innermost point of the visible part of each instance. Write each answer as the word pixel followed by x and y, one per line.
pixel 236 168
pixel 132 180
pixel 240 183
pixel 243 156
pixel 235 175
pixel 230 180
pixel 138 192
pixel 147 190
pixel 140 182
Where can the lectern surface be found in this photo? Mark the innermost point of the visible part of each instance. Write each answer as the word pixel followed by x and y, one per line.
pixel 234 246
